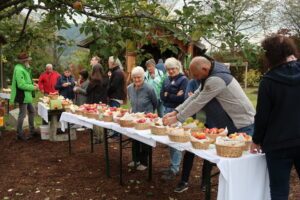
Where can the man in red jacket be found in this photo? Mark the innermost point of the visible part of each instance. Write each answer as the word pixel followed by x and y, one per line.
pixel 48 79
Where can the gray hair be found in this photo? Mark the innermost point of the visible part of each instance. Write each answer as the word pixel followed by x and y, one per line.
pixel 49 65
pixel 173 63
pixel 115 61
pixel 138 70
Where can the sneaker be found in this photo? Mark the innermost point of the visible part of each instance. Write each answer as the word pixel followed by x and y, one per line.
pixel 181 187
pixel 131 164
pixel 141 167
pixel 169 176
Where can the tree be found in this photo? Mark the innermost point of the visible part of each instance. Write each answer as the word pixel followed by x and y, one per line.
pixel 291 15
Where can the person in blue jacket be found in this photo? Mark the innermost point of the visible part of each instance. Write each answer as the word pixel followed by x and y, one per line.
pixel 65 84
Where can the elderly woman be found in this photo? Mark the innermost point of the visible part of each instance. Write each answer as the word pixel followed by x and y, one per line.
pixel 155 78
pixel 172 95
pixel 277 128
pixel 142 99
pixel 116 87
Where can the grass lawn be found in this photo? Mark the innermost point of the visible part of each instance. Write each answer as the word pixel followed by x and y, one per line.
pixel 252 94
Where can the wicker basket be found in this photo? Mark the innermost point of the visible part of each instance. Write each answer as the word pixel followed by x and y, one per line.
pixel 142 126
pixel 247 145
pixel 158 130
pixel 200 145
pixel 180 139
pixel 79 112
pixel 126 123
pixel 116 120
pixel 229 151
pixel 107 118
pixel 67 109
pixel 213 137
pixel 92 115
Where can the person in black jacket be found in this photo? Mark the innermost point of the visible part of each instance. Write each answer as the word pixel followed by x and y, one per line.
pixel 65 84
pixel 172 95
pixel 97 89
pixel 277 127
pixel 117 86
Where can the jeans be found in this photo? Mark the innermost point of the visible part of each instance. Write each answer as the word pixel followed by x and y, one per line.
pixel 247 129
pixel 188 158
pixel 22 114
pixel 175 154
pixel 279 163
pixel 160 108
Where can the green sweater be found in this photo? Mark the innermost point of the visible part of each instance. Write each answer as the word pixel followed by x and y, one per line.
pixel 22 79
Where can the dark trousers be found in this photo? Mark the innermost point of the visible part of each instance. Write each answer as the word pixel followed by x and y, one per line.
pixel 24 108
pixel 279 164
pixel 140 152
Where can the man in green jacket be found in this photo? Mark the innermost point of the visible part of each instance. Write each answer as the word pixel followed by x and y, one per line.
pixel 22 92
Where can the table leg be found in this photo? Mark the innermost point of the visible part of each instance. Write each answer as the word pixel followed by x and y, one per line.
pixel 69 138
pixel 106 153
pixel 92 142
pixel 150 164
pixel 7 106
pixel 120 157
pixel 207 168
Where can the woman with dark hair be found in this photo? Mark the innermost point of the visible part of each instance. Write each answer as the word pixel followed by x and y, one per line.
pixel 80 89
pixel 277 127
pixel 97 88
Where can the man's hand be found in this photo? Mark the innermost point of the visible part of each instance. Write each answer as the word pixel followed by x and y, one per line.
pixel 166 94
pixel 255 148
pixel 36 86
pixel 65 84
pixel 170 120
pixel 170 114
pixel 180 93
pixel 190 94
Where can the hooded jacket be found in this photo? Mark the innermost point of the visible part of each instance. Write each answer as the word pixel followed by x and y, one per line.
pixel 66 92
pixel 47 81
pixel 278 111
pixel 220 85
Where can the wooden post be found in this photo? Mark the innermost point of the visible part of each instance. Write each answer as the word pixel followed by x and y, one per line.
pixel 191 49
pixel 130 63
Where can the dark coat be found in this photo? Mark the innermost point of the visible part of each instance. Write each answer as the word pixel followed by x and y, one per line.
pixel 66 92
pixel 172 86
pixel 278 112
pixel 116 87
pixel 97 91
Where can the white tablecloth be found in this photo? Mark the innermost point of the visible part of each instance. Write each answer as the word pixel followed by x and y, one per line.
pixel 4 95
pixel 43 111
pixel 244 178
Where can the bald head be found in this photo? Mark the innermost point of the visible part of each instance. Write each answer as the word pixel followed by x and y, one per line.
pixel 200 67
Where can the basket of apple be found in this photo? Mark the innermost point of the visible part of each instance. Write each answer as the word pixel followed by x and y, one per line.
pixel 199 140
pixel 107 116
pixel 242 136
pixel 193 124
pixel 213 133
pixel 127 120
pixel 142 124
pixel 53 95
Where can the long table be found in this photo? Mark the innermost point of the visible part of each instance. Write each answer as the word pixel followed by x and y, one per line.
pixel 240 178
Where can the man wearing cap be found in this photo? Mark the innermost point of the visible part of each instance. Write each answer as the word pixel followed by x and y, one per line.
pixel 22 92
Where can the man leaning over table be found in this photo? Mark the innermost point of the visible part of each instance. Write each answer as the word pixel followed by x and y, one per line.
pixel 220 92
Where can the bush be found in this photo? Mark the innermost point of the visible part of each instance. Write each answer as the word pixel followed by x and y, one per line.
pixel 253 77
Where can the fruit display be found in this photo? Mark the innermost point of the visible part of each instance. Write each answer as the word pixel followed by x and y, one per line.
pixel 178 134
pixel 228 147
pixel 143 123
pixel 191 123
pixel 243 137
pixel 151 115
pixel 199 140
pixel 53 95
pixel 213 133
pixel 6 90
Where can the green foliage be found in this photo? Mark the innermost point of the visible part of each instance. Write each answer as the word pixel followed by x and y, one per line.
pixel 253 77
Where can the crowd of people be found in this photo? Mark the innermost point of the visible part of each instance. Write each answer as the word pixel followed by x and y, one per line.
pixel 163 88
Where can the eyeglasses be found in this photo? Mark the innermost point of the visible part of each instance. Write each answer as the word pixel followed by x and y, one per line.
pixel 171 69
